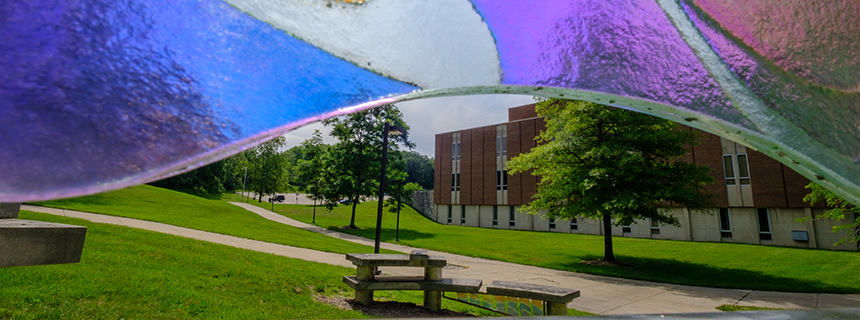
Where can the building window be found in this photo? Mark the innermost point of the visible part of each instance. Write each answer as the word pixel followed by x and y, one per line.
pixel 455 146
pixel 501 141
pixel 512 215
pixel 501 179
pixel 504 179
pixel 462 214
pixel 552 223
pixel 764 232
pixel 725 223
pixel 449 214
pixel 626 229
pixel 574 224
pixel 729 169
pixel 455 182
pixel 655 227
pixel 495 215
pixel 743 169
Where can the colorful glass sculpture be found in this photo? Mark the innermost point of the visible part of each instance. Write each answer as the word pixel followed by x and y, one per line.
pixel 98 95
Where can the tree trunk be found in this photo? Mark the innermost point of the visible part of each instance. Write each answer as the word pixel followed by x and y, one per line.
pixel 352 220
pixel 608 256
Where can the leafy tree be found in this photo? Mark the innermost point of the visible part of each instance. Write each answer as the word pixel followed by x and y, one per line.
pixel 268 167
pixel 838 209
pixel 355 159
pixel 420 169
pixel 312 168
pixel 207 180
pixel 606 163
pixel 397 177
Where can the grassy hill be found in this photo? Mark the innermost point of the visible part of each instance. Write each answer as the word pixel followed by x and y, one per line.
pixel 721 265
pixel 180 209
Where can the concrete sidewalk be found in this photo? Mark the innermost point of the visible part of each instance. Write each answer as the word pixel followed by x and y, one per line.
pixel 601 295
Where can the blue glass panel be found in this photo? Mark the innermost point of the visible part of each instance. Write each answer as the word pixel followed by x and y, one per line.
pixel 96 95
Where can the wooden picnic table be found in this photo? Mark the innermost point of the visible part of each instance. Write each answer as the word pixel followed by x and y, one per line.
pixel 432 283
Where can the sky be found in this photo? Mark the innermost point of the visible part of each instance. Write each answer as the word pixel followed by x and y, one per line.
pixel 427 117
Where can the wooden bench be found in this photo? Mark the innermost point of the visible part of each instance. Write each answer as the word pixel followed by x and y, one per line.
pixel 432 283
pixel 556 298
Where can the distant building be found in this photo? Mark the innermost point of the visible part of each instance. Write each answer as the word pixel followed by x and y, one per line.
pixel 757 198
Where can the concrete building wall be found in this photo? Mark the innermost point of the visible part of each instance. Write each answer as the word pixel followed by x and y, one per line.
pixel 673 232
pixel 705 225
pixel 541 223
pixel 783 221
pixel 826 237
pixel 695 225
pixel 744 226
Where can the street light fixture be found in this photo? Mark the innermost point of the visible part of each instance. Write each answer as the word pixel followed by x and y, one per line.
pixel 392 130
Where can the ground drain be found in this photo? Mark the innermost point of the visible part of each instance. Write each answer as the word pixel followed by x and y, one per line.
pixel 452 266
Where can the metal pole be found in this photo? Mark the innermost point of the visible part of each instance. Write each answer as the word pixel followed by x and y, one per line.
pixel 315 203
pixel 382 179
pixel 397 232
pixel 243 184
pixel 274 192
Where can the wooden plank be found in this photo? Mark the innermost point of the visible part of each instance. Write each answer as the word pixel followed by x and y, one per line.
pixel 394 260
pixel 447 284
pixel 532 291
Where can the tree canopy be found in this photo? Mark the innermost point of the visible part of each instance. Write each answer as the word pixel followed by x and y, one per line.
pixel 211 179
pixel 312 170
pixel 606 163
pixel 420 169
pixel 268 166
pixel 837 209
pixel 355 159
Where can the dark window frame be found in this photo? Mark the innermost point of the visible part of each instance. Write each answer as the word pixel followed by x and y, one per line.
pixel 763 234
pixel 725 223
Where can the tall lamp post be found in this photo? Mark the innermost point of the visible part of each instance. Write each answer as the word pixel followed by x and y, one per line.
pixel 394 130
pixel 399 191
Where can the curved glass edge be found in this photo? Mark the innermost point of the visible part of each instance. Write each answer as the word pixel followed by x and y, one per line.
pixel 800 153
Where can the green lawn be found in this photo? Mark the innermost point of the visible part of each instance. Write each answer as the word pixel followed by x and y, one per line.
pixel 137 274
pixel 180 209
pixel 719 265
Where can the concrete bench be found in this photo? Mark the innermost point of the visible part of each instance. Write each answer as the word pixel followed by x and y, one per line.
pixel 365 281
pixel 556 298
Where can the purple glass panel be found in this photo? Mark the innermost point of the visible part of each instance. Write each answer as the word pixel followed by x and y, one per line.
pixel 789 79
pixel 626 48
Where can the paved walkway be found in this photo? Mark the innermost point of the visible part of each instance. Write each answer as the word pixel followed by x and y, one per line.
pixel 601 295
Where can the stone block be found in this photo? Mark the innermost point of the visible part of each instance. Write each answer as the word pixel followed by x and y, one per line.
pixel 29 243
pixel 532 291
pixel 9 210
pixel 394 260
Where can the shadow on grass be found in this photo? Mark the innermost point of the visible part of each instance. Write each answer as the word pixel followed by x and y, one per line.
pixel 94 200
pixel 387 233
pixel 693 274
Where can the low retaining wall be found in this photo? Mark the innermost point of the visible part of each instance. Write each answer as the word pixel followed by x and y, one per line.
pixel 422 201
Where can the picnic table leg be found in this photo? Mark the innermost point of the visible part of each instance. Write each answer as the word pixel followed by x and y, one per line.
pixel 556 309
pixel 433 299
pixel 364 273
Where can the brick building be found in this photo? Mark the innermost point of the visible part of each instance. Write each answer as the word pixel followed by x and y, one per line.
pixel 757 198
